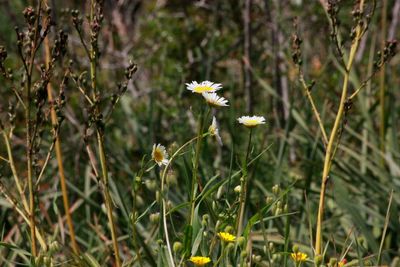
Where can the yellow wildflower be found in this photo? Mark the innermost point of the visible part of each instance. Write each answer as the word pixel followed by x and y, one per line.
pixel 227 237
pixel 299 257
pixel 199 260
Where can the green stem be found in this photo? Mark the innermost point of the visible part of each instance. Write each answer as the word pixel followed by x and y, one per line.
pixel 382 88
pixel 100 142
pixel 243 187
pixel 163 202
pixel 195 178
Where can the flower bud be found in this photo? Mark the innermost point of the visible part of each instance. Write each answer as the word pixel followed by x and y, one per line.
pixel 276 189
pixel 177 247
pixel 155 218
pixel 332 262
pixel 271 246
pixel 171 178
pixel 276 257
pixel 243 254
pixel 318 260
pixel 151 185
pixel 286 208
pixel 238 189
pixel 205 219
pixel 278 211
pixel 295 248
pixel 214 205
pixel 220 192
pixel 241 240
pixel 257 258
pixel 139 201
pixel 228 229
pixel 269 200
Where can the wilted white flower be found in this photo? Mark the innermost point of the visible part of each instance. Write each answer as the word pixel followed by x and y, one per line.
pixel 251 121
pixel 214 100
pixel 159 154
pixel 214 131
pixel 203 87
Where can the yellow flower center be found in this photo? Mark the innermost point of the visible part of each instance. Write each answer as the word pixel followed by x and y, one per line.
pixel 202 89
pixel 251 122
pixel 158 155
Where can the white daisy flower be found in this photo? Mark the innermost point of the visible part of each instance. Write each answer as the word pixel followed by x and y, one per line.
pixel 214 131
pixel 203 87
pixel 159 154
pixel 214 100
pixel 251 121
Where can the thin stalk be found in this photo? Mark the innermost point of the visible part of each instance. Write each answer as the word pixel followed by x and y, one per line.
pixel 243 188
pixel 29 137
pixel 385 228
pixel 382 92
pixel 24 214
pixel 100 143
pixel 58 150
pixel 314 107
pixel 195 178
pixel 332 139
pixel 107 197
pixel 14 171
pixel 163 203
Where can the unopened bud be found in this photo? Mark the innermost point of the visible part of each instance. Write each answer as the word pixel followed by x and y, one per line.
pixel 241 240
pixel 318 260
pixel 238 189
pixel 243 254
pixel 171 178
pixel 286 208
pixel 271 246
pixel 269 200
pixel 278 212
pixel 332 262
pixel 276 189
pixel 139 201
pixel 177 247
pixel 151 185
pixel 295 248
pixel 228 229
pixel 220 192
pixel 155 217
